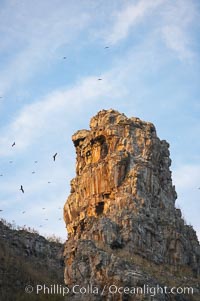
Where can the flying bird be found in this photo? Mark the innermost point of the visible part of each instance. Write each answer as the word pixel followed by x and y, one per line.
pixel 99 78
pixel 64 57
pixel 33 172
pixel 49 182
pixel 22 189
pixel 106 47
pixel 13 144
pixel 1 175
pixel 43 208
pixel 54 157
pixel 23 212
pixel 35 161
pixel 1 210
pixel 46 219
pixel 10 161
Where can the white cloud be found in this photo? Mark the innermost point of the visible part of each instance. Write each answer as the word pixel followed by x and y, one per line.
pixel 35 38
pixel 176 40
pixel 178 27
pixel 131 15
pixel 55 110
pixel 173 21
pixel 42 116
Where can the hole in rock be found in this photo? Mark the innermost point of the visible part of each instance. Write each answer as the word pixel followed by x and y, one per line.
pixel 106 195
pixel 99 208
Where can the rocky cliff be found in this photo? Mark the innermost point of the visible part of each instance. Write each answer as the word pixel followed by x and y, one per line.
pixel 28 259
pixel 123 227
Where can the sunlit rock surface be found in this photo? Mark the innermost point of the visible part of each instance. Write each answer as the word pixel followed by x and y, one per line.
pixel 123 227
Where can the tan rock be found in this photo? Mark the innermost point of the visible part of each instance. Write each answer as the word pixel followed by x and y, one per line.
pixel 122 205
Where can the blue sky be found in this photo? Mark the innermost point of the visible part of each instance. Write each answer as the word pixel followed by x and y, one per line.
pixel 151 70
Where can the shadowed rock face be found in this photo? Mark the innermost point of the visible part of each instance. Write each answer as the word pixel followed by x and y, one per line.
pixel 121 207
pixel 27 258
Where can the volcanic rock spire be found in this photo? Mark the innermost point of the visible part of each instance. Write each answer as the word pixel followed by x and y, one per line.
pixel 123 227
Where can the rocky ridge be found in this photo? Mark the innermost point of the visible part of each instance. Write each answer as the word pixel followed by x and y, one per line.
pixel 28 259
pixel 123 226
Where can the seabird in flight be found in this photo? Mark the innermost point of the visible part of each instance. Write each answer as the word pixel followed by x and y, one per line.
pixel 13 144
pixel 22 189
pixel 54 157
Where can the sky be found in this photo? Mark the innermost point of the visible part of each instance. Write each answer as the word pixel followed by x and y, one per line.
pixel 51 56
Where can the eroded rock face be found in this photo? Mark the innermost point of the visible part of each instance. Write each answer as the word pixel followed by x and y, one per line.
pixel 27 258
pixel 122 207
